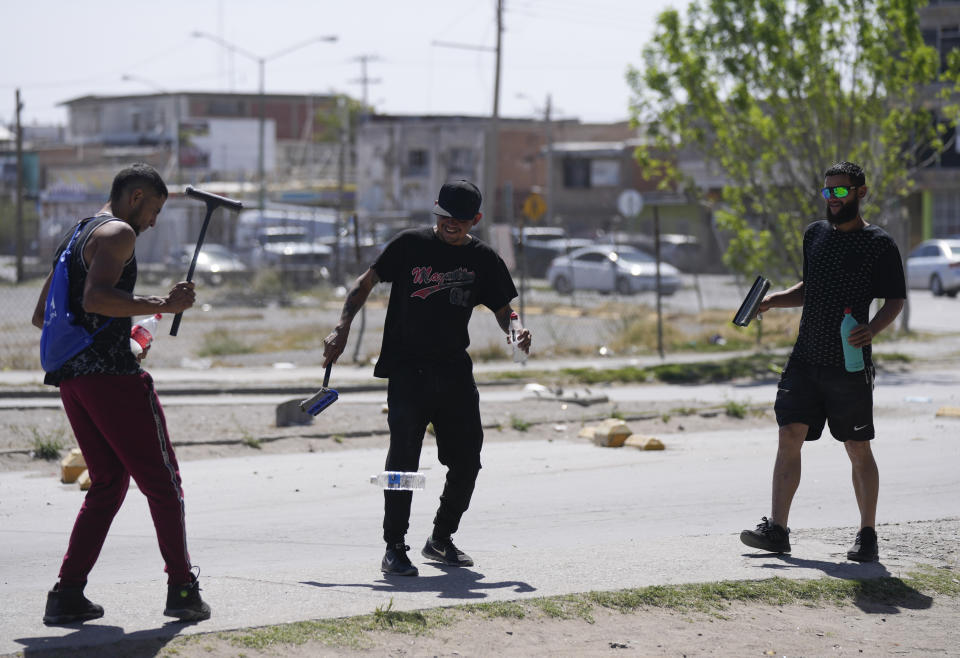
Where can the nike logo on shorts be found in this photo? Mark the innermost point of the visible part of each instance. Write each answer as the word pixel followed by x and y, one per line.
pixel 857 429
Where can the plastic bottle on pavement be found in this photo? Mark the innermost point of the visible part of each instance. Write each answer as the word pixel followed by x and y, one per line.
pixel 519 356
pixel 399 480
pixel 852 356
pixel 142 333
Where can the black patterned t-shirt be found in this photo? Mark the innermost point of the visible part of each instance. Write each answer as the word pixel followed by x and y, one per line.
pixel 843 269
pixel 110 352
pixel 435 287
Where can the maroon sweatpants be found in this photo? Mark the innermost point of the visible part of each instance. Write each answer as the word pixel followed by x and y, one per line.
pixel 121 430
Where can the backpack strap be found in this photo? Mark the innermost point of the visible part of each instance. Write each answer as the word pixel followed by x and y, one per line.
pixel 67 254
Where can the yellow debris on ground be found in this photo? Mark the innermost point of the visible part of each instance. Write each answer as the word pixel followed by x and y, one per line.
pixel 72 466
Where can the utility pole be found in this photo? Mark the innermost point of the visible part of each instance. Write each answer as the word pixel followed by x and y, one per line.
pixel 343 114
pixel 19 191
pixel 551 202
pixel 364 80
pixel 493 151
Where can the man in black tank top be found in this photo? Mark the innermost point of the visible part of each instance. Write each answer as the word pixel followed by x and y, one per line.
pixel 847 263
pixel 111 403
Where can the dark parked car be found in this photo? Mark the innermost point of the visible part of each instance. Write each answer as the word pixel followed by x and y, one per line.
pixel 538 254
pixel 216 264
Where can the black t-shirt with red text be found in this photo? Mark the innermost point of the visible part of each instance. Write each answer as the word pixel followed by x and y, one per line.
pixel 843 269
pixel 435 287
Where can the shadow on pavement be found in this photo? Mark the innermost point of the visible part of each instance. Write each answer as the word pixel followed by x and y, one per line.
pixel 877 590
pixel 455 583
pixel 102 640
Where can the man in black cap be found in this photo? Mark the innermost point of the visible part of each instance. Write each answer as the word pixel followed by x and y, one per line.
pixel 437 275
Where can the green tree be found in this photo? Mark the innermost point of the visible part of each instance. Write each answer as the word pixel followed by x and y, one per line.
pixel 772 92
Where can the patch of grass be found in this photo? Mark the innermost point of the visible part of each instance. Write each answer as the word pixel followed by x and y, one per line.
pixel 753 366
pixel 892 357
pixel 499 609
pixel 221 342
pixel 736 409
pixel 665 418
pixel 492 351
pixel 914 589
pixel 519 424
pixel 252 442
pixel 684 411
pixel 709 331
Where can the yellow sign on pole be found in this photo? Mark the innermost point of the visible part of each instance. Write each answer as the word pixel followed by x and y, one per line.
pixel 534 206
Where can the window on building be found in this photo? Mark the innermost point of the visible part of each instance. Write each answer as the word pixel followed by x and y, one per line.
pixel 946 213
pixel 462 162
pixel 135 122
pixel 604 173
pixel 417 163
pixel 576 172
pixel 225 107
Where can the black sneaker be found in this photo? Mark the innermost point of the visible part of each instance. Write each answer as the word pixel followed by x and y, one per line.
pixel 184 602
pixel 396 563
pixel 443 550
pixel 864 547
pixel 68 605
pixel 768 537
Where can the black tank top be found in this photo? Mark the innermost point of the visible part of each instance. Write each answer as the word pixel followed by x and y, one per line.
pixel 110 352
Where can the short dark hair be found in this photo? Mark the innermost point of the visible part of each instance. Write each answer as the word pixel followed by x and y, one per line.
pixel 137 174
pixel 854 171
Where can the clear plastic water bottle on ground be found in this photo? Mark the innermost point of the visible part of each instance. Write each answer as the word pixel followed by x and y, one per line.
pixel 519 356
pixel 399 480
pixel 852 356
pixel 142 333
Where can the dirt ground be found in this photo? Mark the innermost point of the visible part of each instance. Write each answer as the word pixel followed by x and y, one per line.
pixel 211 431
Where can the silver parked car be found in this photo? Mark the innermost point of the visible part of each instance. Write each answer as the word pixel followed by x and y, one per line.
pixel 935 265
pixel 606 269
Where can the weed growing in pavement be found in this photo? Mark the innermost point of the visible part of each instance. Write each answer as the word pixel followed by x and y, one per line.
pixel 736 409
pixel 519 424
pixel 45 444
pixel 252 442
pixel 665 418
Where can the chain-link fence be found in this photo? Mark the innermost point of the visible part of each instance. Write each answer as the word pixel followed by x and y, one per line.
pixel 263 322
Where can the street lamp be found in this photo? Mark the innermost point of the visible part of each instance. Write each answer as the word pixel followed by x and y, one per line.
pixel 261 65
pixel 176 118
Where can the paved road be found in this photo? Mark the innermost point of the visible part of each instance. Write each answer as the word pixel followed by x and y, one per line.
pixel 291 537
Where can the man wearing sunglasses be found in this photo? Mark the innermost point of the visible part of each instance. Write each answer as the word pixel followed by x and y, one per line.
pixel 847 263
pixel 438 274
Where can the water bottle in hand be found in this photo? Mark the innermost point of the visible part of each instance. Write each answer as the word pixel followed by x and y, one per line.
pixel 519 356
pixel 852 356
pixel 399 480
pixel 142 333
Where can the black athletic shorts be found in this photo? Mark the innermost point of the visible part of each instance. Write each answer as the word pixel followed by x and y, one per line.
pixel 813 395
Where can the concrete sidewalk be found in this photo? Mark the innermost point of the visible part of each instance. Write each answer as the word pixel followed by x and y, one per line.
pixel 282 538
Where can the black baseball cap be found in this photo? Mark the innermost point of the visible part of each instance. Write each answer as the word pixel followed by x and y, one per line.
pixel 458 199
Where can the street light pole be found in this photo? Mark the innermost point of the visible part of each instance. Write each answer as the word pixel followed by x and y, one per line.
pixel 261 92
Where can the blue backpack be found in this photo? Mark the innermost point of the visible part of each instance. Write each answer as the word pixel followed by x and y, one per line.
pixel 62 338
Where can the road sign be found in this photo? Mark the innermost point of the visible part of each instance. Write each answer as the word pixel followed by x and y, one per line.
pixel 534 206
pixel 630 203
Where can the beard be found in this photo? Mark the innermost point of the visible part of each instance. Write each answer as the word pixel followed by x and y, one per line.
pixel 847 212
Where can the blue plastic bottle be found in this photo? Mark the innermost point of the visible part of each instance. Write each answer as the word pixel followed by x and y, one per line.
pixel 852 356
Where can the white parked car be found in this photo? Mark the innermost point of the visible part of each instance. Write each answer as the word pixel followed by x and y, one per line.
pixel 606 269
pixel 935 265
